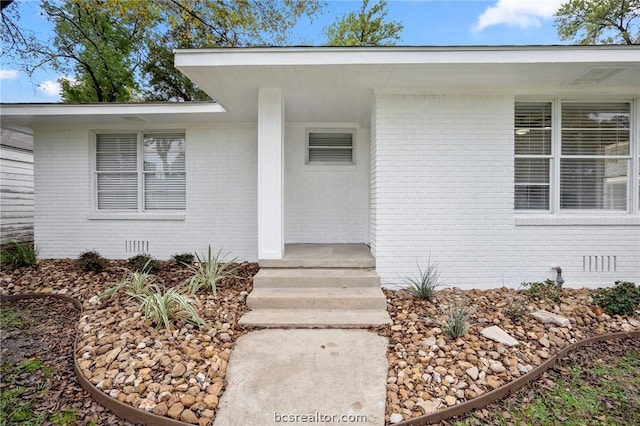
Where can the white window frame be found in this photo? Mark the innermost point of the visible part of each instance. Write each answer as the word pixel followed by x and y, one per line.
pixel 590 216
pixel 140 212
pixel 354 144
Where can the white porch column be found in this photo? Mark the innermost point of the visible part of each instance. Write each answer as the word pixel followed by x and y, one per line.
pixel 270 173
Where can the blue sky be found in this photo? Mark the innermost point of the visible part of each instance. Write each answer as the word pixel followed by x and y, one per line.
pixel 426 22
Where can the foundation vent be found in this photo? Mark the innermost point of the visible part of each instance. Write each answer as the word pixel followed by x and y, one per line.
pixel 599 263
pixel 136 246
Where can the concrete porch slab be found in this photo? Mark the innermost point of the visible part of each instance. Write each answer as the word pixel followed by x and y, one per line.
pixel 315 318
pixel 323 256
pixel 321 374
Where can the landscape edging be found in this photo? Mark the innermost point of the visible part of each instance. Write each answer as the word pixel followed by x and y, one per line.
pixel 137 415
pixel 492 396
pixel 118 408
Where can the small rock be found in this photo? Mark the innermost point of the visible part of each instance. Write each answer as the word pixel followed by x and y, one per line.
pixel 499 335
pixel 473 372
pixel 450 400
pixel 396 418
pixel 188 400
pixel 544 342
pixel 545 317
pixel 428 406
pixel 160 409
pixel 211 401
pixel 175 410
pixel 189 416
pixel 178 370
pixel 429 341
pixel 112 355
pixel 497 367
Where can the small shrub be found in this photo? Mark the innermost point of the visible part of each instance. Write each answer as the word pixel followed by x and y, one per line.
pixel 622 299
pixel 516 309
pixel 549 289
pixel 456 319
pixel 144 263
pixel 160 307
pixel 91 261
pixel 183 259
pixel 423 286
pixel 209 271
pixel 133 284
pixel 17 254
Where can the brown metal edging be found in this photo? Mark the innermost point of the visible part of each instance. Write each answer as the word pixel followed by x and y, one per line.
pixel 494 395
pixel 118 408
pixel 137 415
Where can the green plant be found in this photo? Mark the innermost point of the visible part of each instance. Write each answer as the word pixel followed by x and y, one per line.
pixel 133 284
pixel 32 365
pixel 456 318
pixel 208 272
pixel 160 307
pixel 549 289
pixel 183 259
pixel 423 286
pixel 9 317
pixel 90 261
pixel 144 263
pixel 65 418
pixel 516 308
pixel 622 299
pixel 17 254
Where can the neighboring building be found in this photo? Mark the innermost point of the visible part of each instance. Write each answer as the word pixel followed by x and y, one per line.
pixel 16 186
pixel 496 162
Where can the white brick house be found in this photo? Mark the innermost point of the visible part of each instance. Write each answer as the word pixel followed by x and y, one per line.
pixel 497 162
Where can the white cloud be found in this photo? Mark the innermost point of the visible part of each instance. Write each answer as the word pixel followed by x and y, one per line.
pixel 8 74
pixel 517 13
pixel 50 88
pixel 53 88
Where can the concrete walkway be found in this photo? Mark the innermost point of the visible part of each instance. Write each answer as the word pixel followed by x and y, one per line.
pixel 335 377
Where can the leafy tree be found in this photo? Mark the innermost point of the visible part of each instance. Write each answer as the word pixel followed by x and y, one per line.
pixel 119 50
pixel 599 21
pixel 365 27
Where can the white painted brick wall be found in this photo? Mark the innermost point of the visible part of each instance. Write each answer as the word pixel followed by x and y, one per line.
pixel 442 186
pixel 325 204
pixel 221 198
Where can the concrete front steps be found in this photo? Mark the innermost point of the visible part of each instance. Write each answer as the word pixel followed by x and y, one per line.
pixel 313 291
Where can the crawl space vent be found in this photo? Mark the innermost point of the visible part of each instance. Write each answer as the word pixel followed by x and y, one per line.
pixel 599 263
pixel 136 246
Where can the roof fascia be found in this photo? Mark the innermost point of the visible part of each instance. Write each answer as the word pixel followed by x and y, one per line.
pixel 405 55
pixel 35 110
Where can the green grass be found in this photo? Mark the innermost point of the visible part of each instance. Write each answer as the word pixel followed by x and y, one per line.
pixel 9 318
pixel 16 402
pixel 603 394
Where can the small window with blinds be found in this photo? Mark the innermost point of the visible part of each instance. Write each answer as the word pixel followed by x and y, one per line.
pixel 595 156
pixel 533 155
pixel 140 172
pixel 330 147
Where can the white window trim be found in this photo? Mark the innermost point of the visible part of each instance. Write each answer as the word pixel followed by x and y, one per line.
pixel 330 164
pixel 140 214
pixel 557 216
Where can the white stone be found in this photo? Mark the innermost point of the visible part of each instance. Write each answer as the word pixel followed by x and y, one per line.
pixel 473 372
pixel 545 317
pixel 429 341
pixel 499 335
pixel 396 418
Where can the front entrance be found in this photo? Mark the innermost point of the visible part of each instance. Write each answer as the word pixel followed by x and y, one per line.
pixel 324 201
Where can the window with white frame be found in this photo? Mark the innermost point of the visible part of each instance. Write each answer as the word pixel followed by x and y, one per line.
pixel 582 163
pixel 330 147
pixel 140 171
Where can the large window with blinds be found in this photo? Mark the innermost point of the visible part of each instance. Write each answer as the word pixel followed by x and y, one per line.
pixel 140 171
pixel 330 147
pixel 573 156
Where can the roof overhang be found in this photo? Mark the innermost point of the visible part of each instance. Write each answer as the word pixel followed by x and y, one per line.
pixel 328 84
pixel 22 117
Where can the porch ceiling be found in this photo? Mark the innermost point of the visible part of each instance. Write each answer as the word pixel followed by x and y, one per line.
pixel 337 84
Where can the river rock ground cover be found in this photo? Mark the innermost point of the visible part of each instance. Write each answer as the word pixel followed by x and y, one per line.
pixel 180 372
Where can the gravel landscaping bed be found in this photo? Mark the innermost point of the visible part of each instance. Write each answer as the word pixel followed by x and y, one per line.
pixel 180 373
